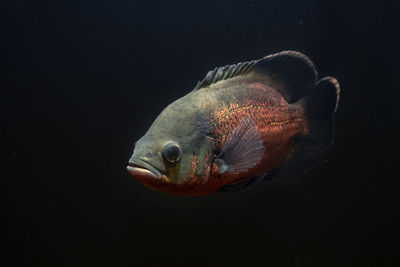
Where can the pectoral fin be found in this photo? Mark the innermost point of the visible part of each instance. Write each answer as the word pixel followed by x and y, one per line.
pixel 243 150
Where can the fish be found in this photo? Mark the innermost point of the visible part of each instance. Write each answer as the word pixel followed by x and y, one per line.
pixel 261 120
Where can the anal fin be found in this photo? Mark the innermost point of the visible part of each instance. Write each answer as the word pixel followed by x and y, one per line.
pixel 305 155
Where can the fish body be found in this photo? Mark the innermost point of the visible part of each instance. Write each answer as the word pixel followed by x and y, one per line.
pixel 259 120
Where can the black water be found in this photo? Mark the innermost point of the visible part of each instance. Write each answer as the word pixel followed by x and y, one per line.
pixel 82 82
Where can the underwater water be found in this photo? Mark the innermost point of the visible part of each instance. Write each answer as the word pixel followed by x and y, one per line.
pixel 83 80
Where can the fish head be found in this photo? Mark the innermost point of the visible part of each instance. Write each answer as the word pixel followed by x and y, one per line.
pixel 174 155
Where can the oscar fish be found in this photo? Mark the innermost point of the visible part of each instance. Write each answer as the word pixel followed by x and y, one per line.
pixel 264 119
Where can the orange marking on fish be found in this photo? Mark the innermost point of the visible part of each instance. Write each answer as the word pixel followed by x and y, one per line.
pixel 194 166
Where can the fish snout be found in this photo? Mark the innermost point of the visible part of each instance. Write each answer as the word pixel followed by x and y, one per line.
pixel 138 168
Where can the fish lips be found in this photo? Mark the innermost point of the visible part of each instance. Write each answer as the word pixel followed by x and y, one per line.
pixel 143 170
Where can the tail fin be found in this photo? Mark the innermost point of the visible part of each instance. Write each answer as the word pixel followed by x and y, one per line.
pixel 320 108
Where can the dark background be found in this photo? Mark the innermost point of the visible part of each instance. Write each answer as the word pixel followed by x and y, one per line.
pixel 83 80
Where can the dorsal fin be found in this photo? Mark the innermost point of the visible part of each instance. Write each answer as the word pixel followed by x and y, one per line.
pixel 290 72
pixel 224 73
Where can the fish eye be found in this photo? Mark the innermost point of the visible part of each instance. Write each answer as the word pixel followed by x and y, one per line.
pixel 171 152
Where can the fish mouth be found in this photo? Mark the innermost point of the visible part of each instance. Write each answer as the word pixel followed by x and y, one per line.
pixel 140 168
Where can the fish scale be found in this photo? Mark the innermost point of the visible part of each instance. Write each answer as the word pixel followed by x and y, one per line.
pixel 276 120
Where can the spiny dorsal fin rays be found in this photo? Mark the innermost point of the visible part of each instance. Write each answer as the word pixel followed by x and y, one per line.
pixel 224 73
pixel 292 73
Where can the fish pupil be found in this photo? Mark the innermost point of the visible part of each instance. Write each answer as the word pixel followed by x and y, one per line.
pixel 172 153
